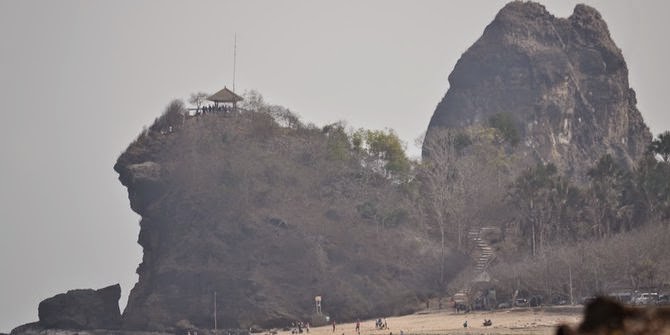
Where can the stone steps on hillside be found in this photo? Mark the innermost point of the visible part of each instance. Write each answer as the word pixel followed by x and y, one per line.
pixel 482 259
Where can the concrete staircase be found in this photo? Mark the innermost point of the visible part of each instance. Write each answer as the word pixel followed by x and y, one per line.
pixel 483 256
pixel 484 250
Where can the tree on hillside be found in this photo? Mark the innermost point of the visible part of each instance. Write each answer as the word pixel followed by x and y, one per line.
pixel 567 203
pixel 383 151
pixel 284 117
pixel 550 209
pixel 338 141
pixel 198 99
pixel 653 182
pixel 608 184
pixel 506 125
pixel 442 188
pixel 172 118
pixel 532 194
pixel 661 146
pixel 253 101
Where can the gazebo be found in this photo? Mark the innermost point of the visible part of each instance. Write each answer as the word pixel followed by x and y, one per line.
pixel 225 96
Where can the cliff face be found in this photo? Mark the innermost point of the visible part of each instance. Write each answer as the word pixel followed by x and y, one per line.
pixel 562 82
pixel 268 218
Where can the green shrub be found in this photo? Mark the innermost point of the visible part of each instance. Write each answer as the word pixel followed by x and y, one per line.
pixel 506 125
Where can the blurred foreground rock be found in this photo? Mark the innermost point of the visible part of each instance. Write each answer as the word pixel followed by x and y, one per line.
pixel 606 316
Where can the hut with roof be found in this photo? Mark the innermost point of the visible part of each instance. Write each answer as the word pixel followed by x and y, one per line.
pixel 224 97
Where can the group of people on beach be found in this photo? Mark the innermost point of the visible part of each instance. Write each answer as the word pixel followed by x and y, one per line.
pixel 487 323
pixel 381 324
pixel 297 327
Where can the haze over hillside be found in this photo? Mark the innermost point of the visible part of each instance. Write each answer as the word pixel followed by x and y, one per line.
pixel 80 107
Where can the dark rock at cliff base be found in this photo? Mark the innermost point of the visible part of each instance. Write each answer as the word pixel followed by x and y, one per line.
pixel 82 309
pixel 562 82
pixel 28 328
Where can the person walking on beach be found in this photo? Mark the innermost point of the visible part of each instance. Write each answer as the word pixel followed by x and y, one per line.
pixel 333 325
pixel 358 326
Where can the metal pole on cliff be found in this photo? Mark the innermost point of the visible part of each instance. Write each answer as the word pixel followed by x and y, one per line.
pixel 234 60
pixel 234 68
pixel 215 325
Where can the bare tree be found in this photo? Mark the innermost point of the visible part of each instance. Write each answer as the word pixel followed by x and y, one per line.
pixel 439 185
pixel 198 99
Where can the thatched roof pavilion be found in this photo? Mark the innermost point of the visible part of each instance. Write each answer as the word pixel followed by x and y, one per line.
pixel 225 96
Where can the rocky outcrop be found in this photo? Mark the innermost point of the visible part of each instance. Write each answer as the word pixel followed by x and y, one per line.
pixel 82 309
pixel 563 83
pixel 265 218
pixel 28 328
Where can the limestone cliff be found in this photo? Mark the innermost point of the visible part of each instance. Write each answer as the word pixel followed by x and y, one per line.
pixel 562 82
pixel 268 217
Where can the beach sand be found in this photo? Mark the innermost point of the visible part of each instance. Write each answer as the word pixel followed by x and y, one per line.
pixel 510 321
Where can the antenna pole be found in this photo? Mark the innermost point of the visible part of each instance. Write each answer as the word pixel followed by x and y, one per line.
pixel 234 60
pixel 215 325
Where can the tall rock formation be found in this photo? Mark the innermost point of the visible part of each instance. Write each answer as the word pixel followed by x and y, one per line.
pixel 562 82
pixel 267 217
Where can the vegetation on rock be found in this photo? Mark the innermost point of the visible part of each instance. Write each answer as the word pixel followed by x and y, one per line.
pixel 269 212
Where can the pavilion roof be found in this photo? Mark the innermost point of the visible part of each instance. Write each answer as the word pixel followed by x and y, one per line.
pixel 225 95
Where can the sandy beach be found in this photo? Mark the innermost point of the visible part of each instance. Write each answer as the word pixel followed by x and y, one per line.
pixel 510 321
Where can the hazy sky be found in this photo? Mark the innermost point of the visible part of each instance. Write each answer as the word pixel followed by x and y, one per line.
pixel 79 80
